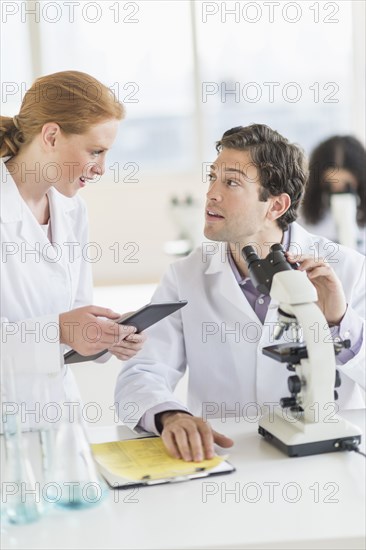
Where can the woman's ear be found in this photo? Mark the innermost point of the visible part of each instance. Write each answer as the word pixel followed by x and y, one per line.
pixel 279 205
pixel 49 133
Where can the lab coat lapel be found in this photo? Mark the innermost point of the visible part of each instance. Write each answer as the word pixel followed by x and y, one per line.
pixel 61 209
pixel 10 204
pixel 226 286
pixel 15 210
pixel 302 242
pixel 34 241
pixel 32 233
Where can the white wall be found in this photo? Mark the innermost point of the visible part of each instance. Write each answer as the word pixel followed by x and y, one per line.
pixel 359 70
pixel 136 213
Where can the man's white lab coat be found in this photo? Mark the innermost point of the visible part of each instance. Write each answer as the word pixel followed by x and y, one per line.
pixel 220 338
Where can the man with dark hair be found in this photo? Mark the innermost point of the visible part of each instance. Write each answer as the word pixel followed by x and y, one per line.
pixel 255 188
pixel 280 164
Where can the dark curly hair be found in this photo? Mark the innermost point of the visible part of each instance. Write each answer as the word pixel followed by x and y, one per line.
pixel 342 152
pixel 281 164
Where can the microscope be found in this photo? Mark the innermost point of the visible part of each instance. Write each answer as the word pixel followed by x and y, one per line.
pixel 305 422
pixel 343 208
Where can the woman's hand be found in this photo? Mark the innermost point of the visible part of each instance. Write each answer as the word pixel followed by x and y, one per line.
pixel 91 329
pixel 128 347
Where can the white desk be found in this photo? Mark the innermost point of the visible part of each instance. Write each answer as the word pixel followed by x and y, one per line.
pixel 197 514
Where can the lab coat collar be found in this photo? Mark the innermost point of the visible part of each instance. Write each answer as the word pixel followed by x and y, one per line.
pixel 217 252
pixel 12 203
pixel 217 255
pixel 14 209
pixel 228 287
pixel 302 242
pixel 226 284
pixel 61 209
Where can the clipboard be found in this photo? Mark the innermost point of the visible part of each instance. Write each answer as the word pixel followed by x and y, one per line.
pixel 144 462
pixel 116 482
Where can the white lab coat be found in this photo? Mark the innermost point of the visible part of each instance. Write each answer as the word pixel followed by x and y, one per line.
pixel 39 281
pixel 220 338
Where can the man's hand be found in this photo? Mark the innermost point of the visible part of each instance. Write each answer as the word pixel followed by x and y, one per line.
pixel 331 298
pixel 190 437
pixel 91 329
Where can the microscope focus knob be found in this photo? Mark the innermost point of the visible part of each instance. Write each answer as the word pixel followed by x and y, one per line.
pixel 294 384
pixel 338 380
pixel 288 402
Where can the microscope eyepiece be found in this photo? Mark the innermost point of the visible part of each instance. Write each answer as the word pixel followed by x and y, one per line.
pixel 249 254
pixel 257 269
pixel 277 258
pixel 263 270
pixel 277 246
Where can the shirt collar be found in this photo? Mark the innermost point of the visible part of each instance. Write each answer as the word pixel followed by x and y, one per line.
pixel 286 239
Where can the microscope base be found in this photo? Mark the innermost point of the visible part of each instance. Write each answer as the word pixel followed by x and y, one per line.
pixel 306 439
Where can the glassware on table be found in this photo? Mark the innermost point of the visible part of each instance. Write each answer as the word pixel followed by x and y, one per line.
pixel 21 499
pixel 77 483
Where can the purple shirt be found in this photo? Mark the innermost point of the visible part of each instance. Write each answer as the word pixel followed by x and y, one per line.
pixel 349 328
pixel 258 302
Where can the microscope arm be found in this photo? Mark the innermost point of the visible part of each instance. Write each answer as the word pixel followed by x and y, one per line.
pixel 310 432
pixel 297 296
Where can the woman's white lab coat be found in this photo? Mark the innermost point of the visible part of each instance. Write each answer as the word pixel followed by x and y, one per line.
pixel 220 338
pixel 40 280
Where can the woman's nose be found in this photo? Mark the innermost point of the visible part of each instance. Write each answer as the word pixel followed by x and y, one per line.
pixel 99 168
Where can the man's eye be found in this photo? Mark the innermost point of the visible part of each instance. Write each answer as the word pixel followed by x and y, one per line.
pixel 232 183
pixel 211 177
pixel 96 153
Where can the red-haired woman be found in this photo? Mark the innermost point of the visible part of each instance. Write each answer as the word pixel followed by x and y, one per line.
pixel 50 150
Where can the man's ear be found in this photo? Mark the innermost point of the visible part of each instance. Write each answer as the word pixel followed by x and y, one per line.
pixel 279 205
pixel 49 134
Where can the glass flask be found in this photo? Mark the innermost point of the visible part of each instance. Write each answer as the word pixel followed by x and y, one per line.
pixel 76 481
pixel 21 499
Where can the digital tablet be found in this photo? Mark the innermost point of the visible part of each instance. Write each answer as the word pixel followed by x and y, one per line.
pixel 141 319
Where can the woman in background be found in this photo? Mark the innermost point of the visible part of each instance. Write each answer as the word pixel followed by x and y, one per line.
pixel 334 204
pixel 50 150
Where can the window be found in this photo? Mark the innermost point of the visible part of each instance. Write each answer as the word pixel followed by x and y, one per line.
pixel 15 59
pixel 187 71
pixel 142 50
pixel 284 64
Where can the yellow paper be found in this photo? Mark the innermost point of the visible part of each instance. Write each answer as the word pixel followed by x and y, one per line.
pixel 140 459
